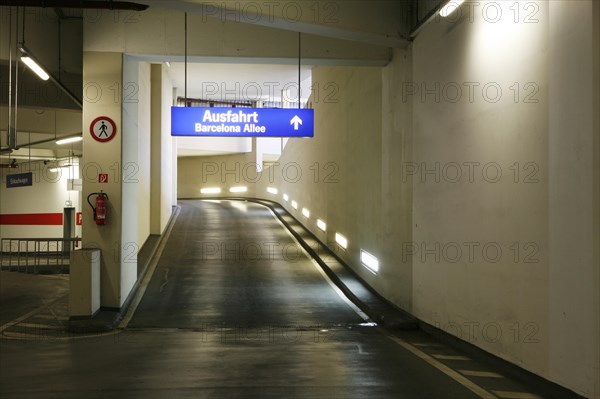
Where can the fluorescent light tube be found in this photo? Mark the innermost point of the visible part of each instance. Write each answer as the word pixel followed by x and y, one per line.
pixel 450 7
pixel 35 68
pixel 69 140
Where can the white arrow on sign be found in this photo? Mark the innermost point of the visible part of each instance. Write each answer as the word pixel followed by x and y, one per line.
pixel 296 121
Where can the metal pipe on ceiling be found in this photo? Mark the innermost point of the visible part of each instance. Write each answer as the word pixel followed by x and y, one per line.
pixel 89 4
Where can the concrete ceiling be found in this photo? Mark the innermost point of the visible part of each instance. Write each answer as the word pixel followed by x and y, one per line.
pixel 219 81
pixel 244 47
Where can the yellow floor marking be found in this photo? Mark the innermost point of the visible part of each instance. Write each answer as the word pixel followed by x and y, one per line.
pixel 475 373
pixel 516 395
pixel 461 379
pixel 450 357
pixel 28 315
pixel 425 345
pixel 51 317
pixel 40 326
pixel 41 337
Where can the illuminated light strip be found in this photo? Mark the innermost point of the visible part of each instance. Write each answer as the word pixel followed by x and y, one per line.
pixel 322 225
pixel 305 212
pixel 450 7
pixel 272 190
pixel 369 261
pixel 294 205
pixel 210 190
pixel 238 189
pixel 69 140
pixel 341 240
pixel 286 197
pixel 39 71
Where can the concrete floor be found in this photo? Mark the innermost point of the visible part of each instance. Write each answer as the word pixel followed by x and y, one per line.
pixel 235 310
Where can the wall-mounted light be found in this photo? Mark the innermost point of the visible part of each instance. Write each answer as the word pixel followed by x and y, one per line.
pixel 341 240
pixel 272 190
pixel 444 10
pixel 321 225
pixel 210 190
pixel 450 7
pixel 369 261
pixel 69 140
pixel 238 189
pixel 305 212
pixel 286 197
pixel 294 205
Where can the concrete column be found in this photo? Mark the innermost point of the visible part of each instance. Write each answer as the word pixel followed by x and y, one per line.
pixel 101 88
pixel 161 183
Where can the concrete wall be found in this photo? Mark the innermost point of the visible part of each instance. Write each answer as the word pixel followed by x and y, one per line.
pixel 469 167
pixel 574 203
pixel 223 171
pixel 337 175
pixel 480 215
pixel 47 195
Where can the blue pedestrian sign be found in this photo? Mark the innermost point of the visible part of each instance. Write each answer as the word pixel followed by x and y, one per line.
pixel 242 122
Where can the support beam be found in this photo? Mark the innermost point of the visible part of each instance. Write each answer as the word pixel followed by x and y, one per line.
pixel 377 22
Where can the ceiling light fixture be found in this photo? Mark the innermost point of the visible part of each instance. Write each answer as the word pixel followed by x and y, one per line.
pixel 450 7
pixel 34 66
pixel 69 140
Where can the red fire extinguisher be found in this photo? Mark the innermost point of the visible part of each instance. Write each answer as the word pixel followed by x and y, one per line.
pixel 100 213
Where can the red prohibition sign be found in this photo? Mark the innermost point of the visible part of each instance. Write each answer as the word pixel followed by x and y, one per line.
pixel 103 129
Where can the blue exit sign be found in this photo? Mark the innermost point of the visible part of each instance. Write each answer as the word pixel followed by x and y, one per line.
pixel 242 122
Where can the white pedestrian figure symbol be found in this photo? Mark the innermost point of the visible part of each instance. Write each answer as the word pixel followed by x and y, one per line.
pixel 102 129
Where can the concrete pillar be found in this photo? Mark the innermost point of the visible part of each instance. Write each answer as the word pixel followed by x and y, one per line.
pixel 101 88
pixel 161 183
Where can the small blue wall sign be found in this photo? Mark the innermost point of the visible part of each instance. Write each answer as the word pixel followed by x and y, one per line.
pixel 19 180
